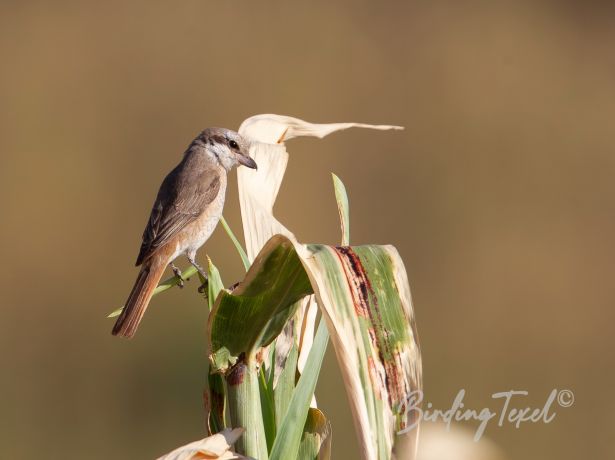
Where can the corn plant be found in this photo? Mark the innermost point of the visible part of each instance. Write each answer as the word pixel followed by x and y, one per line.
pixel 265 349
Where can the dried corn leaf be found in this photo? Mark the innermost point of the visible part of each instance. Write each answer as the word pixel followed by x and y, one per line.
pixel 215 447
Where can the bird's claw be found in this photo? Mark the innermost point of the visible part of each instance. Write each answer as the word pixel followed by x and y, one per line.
pixel 203 288
pixel 178 274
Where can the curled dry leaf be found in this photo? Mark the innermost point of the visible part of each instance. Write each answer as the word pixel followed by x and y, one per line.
pixel 258 189
pixel 215 447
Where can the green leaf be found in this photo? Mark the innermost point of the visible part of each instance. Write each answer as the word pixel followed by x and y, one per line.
pixel 256 312
pixel 286 383
pixel 289 435
pixel 364 296
pixel 240 250
pixel 267 407
pixel 214 284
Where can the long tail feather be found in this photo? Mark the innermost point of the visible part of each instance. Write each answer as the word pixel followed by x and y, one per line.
pixel 138 300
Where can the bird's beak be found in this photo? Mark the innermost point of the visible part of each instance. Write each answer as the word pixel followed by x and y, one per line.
pixel 246 161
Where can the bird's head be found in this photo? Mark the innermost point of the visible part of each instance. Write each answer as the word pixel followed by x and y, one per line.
pixel 227 147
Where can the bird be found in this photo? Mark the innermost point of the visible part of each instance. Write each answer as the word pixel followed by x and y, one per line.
pixel 185 213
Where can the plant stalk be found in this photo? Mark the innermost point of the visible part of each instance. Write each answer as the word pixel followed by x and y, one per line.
pixel 244 404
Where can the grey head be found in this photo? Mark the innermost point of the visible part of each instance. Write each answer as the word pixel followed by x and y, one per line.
pixel 224 146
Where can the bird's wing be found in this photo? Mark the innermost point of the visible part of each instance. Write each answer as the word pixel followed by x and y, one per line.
pixel 183 196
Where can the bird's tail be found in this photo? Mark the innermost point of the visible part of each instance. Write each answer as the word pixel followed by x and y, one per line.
pixel 149 276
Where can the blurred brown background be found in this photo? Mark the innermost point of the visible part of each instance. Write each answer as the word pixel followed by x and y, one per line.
pixel 499 195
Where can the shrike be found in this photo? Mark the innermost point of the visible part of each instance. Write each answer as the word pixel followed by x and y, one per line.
pixel 186 211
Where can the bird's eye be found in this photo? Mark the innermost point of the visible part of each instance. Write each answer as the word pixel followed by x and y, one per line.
pixel 233 144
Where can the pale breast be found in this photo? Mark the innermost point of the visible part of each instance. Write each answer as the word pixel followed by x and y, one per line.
pixel 195 234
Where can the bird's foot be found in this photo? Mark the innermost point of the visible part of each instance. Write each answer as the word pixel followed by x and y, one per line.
pixel 204 288
pixel 178 274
